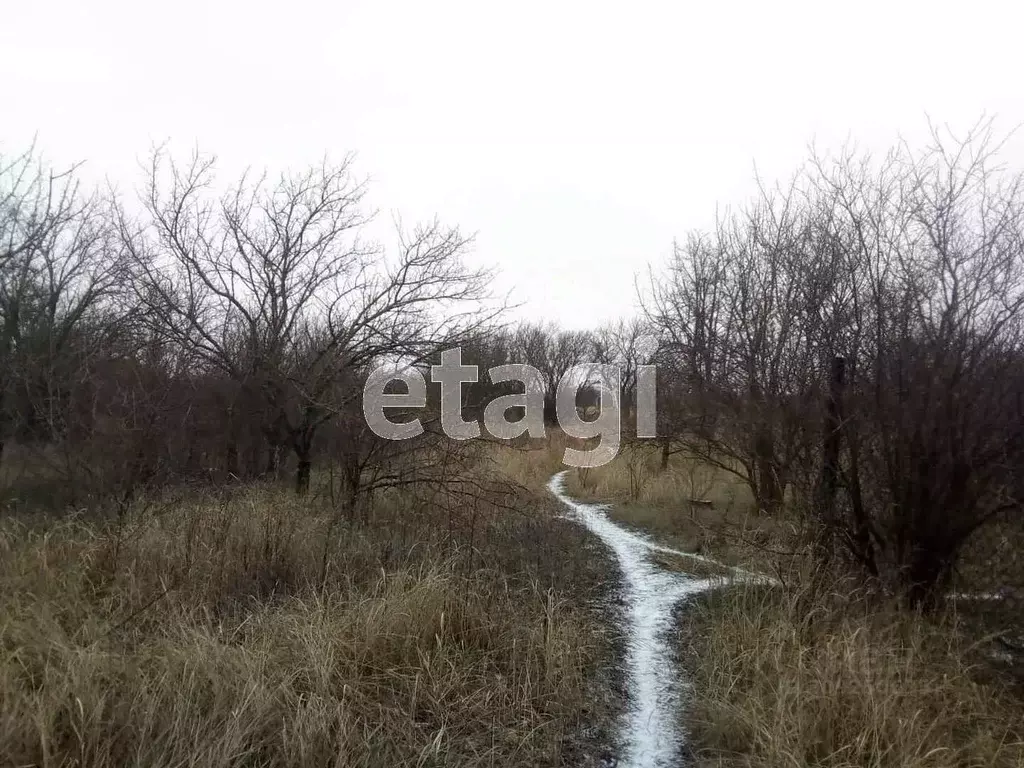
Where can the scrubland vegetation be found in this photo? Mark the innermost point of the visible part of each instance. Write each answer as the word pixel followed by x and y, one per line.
pixel 208 558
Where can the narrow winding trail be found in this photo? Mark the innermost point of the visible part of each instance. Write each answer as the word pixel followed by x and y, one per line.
pixel 650 736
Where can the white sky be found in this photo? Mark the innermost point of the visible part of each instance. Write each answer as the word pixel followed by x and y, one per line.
pixel 576 138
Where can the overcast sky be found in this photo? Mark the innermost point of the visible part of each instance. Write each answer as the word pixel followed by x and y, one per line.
pixel 576 138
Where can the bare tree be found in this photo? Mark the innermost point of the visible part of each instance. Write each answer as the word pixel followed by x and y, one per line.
pixel 866 327
pixel 552 351
pixel 628 344
pixel 270 284
pixel 734 313
pixel 59 267
pixel 933 249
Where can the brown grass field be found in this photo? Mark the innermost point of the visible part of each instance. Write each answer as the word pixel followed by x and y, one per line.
pixel 803 676
pixel 240 627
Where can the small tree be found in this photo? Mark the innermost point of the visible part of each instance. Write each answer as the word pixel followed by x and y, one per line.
pixel 628 344
pixel 734 325
pixel 59 270
pixel 932 246
pixel 911 272
pixel 552 351
pixel 270 285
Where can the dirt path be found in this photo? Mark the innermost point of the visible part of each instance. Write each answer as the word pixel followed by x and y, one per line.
pixel 650 735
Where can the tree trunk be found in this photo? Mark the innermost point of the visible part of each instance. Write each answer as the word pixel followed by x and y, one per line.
pixel 828 483
pixel 769 485
pixel 768 493
pixel 273 461
pixel 231 457
pixel 253 456
pixel 666 451
pixel 302 472
pixel 352 479
pixel 550 411
pixel 191 463
pixel 863 527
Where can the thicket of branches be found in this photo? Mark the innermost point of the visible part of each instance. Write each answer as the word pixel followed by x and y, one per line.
pixel 852 344
pixel 215 332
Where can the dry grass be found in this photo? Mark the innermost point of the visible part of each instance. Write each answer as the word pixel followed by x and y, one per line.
pixel 241 627
pixel 531 463
pixel 661 503
pixel 635 474
pixel 795 678
pixel 248 629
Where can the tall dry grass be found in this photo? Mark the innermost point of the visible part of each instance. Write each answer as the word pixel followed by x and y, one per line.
pixel 689 506
pixel 830 677
pixel 635 475
pixel 531 462
pixel 249 629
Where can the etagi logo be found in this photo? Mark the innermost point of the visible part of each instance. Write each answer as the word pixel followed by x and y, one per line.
pixel 451 374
